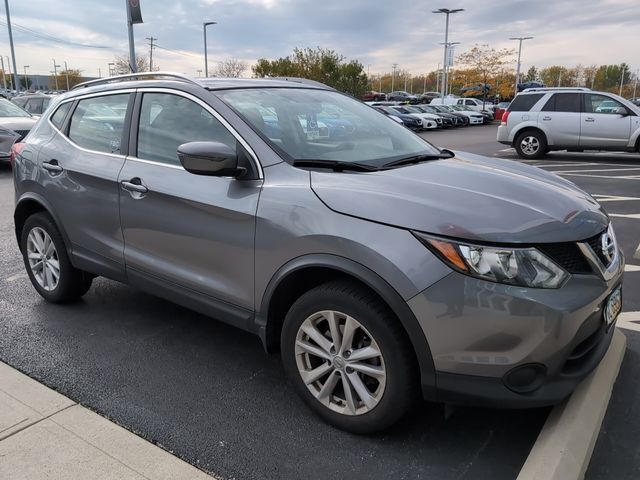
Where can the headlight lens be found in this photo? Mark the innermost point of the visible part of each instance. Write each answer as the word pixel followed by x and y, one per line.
pixel 525 267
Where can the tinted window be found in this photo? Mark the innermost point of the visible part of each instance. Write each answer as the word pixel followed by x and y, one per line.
pixel 524 103
pixel 167 121
pixel 594 103
pixel 34 105
pixel 58 118
pixel 567 102
pixel 97 123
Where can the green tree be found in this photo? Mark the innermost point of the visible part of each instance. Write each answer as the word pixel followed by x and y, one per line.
pixel 319 64
pixel 531 75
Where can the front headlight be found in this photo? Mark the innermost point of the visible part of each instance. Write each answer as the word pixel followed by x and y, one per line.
pixel 525 267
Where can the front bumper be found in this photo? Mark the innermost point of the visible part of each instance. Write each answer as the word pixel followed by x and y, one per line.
pixel 481 332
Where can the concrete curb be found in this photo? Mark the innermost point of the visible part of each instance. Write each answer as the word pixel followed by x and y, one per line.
pixel 565 443
pixel 45 435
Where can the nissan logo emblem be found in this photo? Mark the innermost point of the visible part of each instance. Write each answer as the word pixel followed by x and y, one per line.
pixel 608 246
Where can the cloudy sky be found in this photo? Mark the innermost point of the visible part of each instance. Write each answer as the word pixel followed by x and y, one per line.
pixel 378 33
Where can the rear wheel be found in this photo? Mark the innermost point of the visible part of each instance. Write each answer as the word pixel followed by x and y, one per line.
pixel 348 358
pixel 47 263
pixel 531 144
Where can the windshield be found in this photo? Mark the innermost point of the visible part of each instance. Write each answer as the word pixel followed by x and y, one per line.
pixel 8 109
pixel 307 124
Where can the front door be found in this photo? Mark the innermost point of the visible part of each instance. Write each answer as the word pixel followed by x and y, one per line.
pixel 603 126
pixel 191 231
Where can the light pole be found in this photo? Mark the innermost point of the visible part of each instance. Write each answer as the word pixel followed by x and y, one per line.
pixel 635 85
pixel 447 12
pixel 393 75
pixel 621 78
pixel 449 49
pixel 520 40
pixel 66 73
pixel 26 79
pixel 206 60
pixel 13 52
pixel 4 73
pixel 55 72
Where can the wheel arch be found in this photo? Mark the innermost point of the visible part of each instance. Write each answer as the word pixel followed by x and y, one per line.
pixel 29 204
pixel 303 273
pixel 529 128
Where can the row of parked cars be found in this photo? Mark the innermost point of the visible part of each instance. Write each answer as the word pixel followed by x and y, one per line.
pixel 432 116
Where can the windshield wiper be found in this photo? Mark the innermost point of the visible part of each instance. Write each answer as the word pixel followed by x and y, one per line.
pixel 335 165
pixel 444 154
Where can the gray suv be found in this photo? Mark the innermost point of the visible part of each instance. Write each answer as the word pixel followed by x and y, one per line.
pixel 576 119
pixel 382 268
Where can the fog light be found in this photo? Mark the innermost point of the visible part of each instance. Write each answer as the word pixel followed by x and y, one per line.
pixel 525 378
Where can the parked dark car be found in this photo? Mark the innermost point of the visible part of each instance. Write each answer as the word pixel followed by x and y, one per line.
pixel 426 97
pixel 448 119
pixel 373 96
pixel 408 121
pixel 34 104
pixel 444 109
pixel 635 101
pixel 401 96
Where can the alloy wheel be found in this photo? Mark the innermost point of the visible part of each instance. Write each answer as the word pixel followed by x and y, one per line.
pixel 43 259
pixel 340 362
pixel 530 145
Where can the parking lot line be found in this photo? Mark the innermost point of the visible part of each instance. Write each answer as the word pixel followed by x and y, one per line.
pixel 637 252
pixel 613 198
pixel 629 321
pixel 632 268
pixel 573 164
pixel 602 176
pixel 625 215
pixel 598 170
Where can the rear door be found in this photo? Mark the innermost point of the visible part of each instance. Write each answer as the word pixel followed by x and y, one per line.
pixel 602 125
pixel 183 230
pixel 79 170
pixel 560 117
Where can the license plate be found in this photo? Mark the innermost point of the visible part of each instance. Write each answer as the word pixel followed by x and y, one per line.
pixel 612 308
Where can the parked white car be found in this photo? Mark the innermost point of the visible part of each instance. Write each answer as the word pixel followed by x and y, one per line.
pixel 475 118
pixel 576 119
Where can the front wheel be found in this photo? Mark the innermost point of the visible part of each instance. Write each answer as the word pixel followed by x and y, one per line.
pixel 348 357
pixel 531 145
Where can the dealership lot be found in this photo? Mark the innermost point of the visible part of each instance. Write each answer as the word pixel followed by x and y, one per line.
pixel 208 393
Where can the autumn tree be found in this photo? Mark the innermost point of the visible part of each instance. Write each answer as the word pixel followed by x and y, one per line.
pixel 230 68
pixel 531 75
pixel 121 65
pixel 60 81
pixel 589 75
pixel 322 65
pixel 487 62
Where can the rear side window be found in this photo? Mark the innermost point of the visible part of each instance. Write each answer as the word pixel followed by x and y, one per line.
pixel 524 103
pixel 97 123
pixel 34 105
pixel 167 121
pixel 61 113
pixel 563 102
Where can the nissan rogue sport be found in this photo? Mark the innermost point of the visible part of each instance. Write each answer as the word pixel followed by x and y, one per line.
pixel 539 120
pixel 382 268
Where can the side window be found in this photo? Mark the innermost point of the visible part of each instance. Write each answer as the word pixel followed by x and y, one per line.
pixel 167 121
pixel 594 103
pixel 524 103
pixel 61 113
pixel 567 102
pixel 34 105
pixel 460 102
pixel 471 102
pixel 97 123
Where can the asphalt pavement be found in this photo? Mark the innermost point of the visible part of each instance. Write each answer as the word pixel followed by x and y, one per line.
pixel 209 394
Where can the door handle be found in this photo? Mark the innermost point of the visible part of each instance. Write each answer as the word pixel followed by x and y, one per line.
pixel 52 166
pixel 546 118
pixel 134 185
pixel 589 119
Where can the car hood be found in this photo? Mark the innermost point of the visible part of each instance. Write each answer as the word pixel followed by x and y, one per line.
pixel 17 123
pixel 467 197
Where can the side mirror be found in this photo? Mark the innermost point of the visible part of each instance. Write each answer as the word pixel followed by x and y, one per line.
pixel 209 158
pixel 622 111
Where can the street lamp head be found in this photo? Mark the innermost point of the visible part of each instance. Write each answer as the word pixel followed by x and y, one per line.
pixel 210 23
pixel 520 38
pixel 447 10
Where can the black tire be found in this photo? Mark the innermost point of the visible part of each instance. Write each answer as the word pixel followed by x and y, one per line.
pixel 72 283
pixel 401 380
pixel 531 144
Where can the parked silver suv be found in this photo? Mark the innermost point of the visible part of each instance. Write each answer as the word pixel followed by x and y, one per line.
pixel 576 119
pixel 382 267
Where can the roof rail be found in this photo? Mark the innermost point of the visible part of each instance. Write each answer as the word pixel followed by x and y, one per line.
pixel 134 76
pixel 304 81
pixel 551 89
